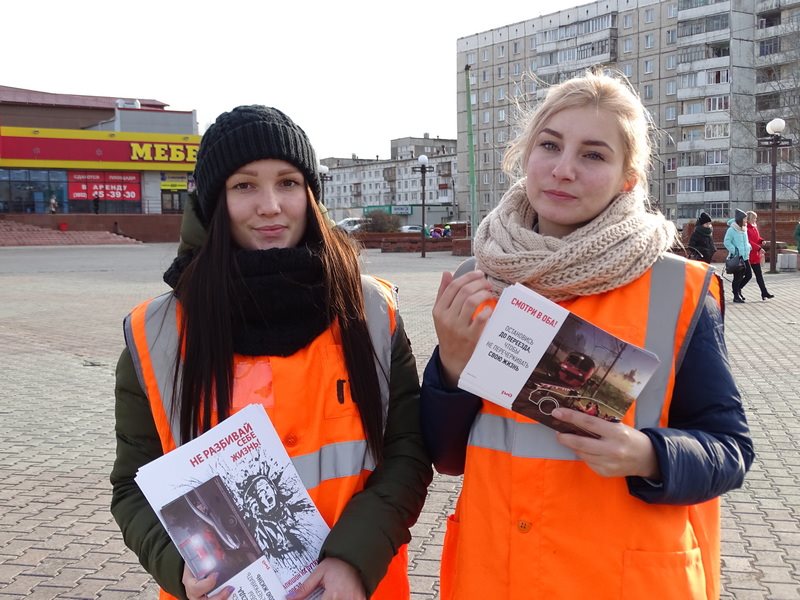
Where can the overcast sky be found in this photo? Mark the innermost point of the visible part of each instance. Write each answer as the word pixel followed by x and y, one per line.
pixel 353 74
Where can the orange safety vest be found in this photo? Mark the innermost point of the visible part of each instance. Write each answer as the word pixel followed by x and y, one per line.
pixel 324 439
pixel 533 521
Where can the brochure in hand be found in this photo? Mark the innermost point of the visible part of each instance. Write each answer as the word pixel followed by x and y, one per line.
pixel 534 356
pixel 233 504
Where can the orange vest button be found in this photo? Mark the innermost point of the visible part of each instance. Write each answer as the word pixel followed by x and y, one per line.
pixel 524 526
pixel 290 440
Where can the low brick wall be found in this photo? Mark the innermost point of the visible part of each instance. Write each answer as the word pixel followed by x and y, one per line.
pixel 462 247
pixel 785 224
pixel 145 228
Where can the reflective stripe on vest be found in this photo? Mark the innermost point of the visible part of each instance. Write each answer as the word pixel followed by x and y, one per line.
pixel 534 440
pixel 160 330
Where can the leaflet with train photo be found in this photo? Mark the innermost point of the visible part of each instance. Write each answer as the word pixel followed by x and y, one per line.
pixel 233 504
pixel 534 356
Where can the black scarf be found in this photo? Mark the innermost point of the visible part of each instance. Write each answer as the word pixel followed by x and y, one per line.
pixel 280 300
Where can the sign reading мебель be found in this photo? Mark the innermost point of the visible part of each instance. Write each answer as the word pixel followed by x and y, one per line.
pixel 23 147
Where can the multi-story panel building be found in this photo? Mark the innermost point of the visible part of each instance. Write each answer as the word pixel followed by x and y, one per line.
pixel 711 74
pixel 356 186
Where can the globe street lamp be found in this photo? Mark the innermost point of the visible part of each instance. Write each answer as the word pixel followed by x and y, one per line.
pixel 775 140
pixel 424 169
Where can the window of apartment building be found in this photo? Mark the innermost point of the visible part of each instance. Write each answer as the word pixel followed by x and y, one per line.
pixel 532 43
pixel 717 183
pixel 519 89
pixel 501 93
pixel 692 107
pixel 649 15
pixel 485 137
pixel 768 74
pixel 718 130
pixel 671 36
pixel 687 80
pixel 470 58
pixel 473 78
pixel 719 210
pixel 716 157
pixel 688 185
pixel 515 47
pixel 784 155
pixel 717 76
pixel 627 69
pixel 671 163
pixel 769 19
pixel 484 76
pixel 486 96
pixel 501 114
pixel 671 87
pixel 502 136
pixel 567 55
pixel 485 56
pixel 627 45
pixel 671 187
pixel 716 22
pixel 791 98
pixel 485 179
pixel 517 69
pixel 532 87
pixel 486 199
pixel 670 113
pixel 692 133
pixel 671 62
pixel 648 66
pixel 473 98
pixel 474 118
pixel 501 51
pixel 768 101
pixel 500 72
pixel 627 21
pixel 719 49
pixel 486 158
pixel 717 103
pixel 770 46
pixel 672 11
pixel 649 40
pixel 487 117
pixel 691 159
pixel 647 91
pixel 501 177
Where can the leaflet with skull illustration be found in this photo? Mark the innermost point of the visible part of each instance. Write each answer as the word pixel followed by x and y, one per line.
pixel 234 504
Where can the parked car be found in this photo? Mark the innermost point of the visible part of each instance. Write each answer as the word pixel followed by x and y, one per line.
pixel 576 369
pixel 351 224
pixel 411 229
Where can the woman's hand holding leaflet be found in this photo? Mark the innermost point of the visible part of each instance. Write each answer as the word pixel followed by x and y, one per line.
pixel 458 327
pixel 620 451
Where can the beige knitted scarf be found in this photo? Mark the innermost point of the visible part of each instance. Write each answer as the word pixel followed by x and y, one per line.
pixel 615 248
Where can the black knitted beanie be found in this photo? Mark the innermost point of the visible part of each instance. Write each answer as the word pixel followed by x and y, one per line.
pixel 244 135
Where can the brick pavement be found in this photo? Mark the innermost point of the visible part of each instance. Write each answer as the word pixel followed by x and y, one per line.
pixel 60 334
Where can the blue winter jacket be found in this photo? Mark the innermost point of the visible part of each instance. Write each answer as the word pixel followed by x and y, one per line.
pixel 736 240
pixel 704 452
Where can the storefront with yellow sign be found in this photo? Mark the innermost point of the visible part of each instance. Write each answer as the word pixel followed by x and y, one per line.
pixel 78 171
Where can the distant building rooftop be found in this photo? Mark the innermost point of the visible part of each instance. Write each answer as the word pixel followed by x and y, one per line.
pixel 12 95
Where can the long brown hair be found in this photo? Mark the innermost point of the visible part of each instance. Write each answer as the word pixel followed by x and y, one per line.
pixel 204 381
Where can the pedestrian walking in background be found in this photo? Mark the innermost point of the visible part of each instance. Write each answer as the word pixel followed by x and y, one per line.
pixel 576 228
pixel 268 306
pixel 53 205
pixel 737 245
pixel 702 239
pixel 756 252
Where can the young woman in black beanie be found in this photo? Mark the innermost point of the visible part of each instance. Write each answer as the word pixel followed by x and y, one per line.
pixel 268 306
pixel 702 238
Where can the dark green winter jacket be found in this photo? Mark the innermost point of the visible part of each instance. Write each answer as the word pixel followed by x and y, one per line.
pixel 376 521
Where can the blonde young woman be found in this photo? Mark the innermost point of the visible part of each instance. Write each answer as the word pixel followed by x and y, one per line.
pixel 635 512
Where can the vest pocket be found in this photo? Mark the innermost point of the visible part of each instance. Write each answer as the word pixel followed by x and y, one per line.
pixel 676 575
pixel 447 570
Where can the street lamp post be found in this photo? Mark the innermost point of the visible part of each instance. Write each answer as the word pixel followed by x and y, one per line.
pixel 323 177
pixel 775 140
pixel 424 169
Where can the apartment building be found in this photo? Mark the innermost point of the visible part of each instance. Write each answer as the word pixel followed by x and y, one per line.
pixel 355 186
pixel 711 73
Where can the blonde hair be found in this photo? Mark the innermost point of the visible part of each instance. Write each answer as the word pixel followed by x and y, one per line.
pixel 752 217
pixel 605 92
